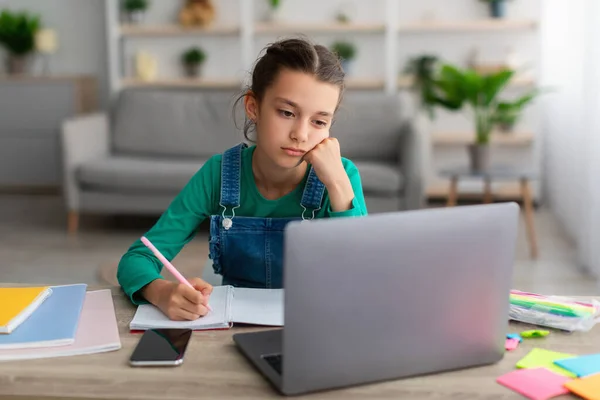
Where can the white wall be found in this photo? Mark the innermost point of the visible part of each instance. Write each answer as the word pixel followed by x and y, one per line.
pixel 80 28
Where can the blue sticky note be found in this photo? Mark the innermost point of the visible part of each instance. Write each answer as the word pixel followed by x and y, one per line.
pixel 582 366
pixel 514 336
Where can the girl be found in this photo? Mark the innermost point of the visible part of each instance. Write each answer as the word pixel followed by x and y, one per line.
pixel 294 171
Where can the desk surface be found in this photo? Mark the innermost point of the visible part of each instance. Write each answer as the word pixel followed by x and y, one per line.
pixel 213 368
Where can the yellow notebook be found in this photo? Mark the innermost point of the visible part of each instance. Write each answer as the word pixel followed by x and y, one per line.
pixel 17 304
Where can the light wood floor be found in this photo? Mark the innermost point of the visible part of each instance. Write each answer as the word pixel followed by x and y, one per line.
pixel 34 248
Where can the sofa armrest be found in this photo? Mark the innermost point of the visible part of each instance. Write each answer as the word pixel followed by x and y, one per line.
pixel 411 161
pixel 83 139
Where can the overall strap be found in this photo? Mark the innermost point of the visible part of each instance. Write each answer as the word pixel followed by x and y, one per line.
pixel 231 172
pixel 313 193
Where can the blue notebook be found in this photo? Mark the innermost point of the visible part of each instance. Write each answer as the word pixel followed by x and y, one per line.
pixel 54 323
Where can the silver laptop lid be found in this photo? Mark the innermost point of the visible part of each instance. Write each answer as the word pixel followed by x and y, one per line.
pixel 396 294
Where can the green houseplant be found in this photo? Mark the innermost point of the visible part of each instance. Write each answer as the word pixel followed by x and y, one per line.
pixel 17 35
pixel 497 8
pixel 457 90
pixel 135 10
pixel 274 12
pixel 192 60
pixel 346 51
pixel 421 69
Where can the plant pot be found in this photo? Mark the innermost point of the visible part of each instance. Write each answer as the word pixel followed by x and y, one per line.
pixel 18 65
pixel 479 157
pixel 193 70
pixel 347 66
pixel 498 8
pixel 136 17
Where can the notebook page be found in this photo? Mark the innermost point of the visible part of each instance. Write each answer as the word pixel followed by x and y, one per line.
pixel 258 306
pixel 147 316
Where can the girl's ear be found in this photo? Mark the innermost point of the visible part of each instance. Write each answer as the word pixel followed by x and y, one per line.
pixel 251 106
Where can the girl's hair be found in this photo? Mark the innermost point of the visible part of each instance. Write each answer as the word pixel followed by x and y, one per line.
pixel 295 54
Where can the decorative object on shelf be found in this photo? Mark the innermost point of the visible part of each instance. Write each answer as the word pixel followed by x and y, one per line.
pixel 455 89
pixel 197 13
pixel 46 43
pixel 421 70
pixel 146 66
pixel 346 12
pixel 192 60
pixel 497 8
pixel 135 10
pixel 346 51
pixel 274 11
pixel 17 36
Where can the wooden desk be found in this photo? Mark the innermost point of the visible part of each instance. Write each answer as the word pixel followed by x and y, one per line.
pixel 213 368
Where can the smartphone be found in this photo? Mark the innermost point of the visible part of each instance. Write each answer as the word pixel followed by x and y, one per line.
pixel 161 347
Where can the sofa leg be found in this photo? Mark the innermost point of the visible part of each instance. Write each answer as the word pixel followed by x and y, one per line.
pixel 73 222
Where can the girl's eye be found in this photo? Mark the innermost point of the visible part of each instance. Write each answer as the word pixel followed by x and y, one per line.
pixel 321 123
pixel 286 113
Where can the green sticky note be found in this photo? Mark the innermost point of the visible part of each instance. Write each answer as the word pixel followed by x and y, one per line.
pixel 540 358
pixel 534 333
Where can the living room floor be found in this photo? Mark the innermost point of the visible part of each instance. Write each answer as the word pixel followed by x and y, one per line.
pixel 34 248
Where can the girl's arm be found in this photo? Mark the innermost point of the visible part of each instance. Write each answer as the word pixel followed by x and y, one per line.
pixel 175 228
pixel 341 202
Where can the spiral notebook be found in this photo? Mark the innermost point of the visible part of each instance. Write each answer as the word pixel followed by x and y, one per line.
pixel 229 305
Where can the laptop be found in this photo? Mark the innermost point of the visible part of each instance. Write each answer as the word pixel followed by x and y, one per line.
pixel 389 296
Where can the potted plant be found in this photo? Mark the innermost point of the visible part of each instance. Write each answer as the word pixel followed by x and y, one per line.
pixel 456 89
pixel 135 10
pixel 192 60
pixel 497 8
pixel 274 13
pixel 507 114
pixel 346 51
pixel 18 32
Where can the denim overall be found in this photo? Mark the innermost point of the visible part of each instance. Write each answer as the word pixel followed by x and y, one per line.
pixel 248 251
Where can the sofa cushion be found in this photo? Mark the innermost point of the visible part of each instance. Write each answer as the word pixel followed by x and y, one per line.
pixel 174 122
pixel 135 175
pixel 369 126
pixel 379 177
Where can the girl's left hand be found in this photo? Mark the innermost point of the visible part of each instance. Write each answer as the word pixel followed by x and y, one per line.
pixel 326 159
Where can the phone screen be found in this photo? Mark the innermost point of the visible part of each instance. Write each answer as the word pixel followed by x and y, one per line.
pixel 161 347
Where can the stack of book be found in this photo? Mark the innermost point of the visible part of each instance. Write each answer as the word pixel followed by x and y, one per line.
pixel 55 321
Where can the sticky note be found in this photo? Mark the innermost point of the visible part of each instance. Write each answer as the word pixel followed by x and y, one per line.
pixel 535 384
pixel 588 387
pixel 514 336
pixel 511 344
pixel 540 358
pixel 581 366
pixel 536 333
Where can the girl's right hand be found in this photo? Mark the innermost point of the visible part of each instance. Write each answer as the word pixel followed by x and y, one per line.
pixel 178 301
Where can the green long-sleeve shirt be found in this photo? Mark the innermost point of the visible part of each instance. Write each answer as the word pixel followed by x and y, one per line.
pixel 199 199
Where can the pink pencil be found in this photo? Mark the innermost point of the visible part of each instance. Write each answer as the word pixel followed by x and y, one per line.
pixel 167 264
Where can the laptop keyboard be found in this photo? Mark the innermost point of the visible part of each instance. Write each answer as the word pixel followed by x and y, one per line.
pixel 274 361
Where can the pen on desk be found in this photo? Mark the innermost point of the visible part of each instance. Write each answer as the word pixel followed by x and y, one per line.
pixel 167 264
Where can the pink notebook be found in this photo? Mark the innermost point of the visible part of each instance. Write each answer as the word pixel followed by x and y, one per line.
pixel 535 383
pixel 97 332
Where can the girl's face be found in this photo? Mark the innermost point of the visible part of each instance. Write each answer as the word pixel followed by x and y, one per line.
pixel 294 116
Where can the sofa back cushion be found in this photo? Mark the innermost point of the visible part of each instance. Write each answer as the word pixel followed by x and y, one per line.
pixel 182 123
pixel 368 126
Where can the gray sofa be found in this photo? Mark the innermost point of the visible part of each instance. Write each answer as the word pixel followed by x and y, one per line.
pixel 137 156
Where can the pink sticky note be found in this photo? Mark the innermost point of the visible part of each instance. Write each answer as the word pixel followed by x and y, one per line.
pixel 511 344
pixel 535 383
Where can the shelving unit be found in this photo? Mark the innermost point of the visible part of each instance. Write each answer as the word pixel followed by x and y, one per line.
pixel 392 30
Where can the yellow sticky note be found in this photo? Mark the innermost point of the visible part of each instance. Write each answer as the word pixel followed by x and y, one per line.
pixel 537 358
pixel 16 304
pixel 588 387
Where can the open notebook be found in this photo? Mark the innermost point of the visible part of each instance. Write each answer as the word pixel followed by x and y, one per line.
pixel 229 305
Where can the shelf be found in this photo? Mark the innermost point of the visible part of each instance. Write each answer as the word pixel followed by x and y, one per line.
pixel 464 138
pixel 333 27
pixel 364 83
pixel 185 83
pixel 469 26
pixel 406 82
pixel 176 30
